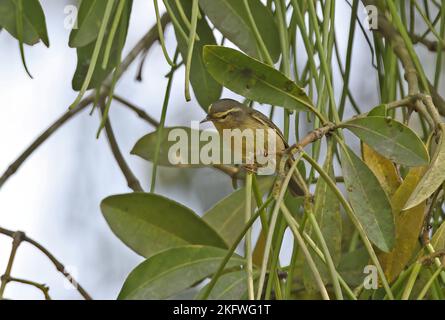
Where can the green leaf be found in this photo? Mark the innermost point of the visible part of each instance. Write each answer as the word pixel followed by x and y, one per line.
pixel 230 18
pixel 172 271
pixel 434 176
pixel 145 147
pixel 149 223
pixel 379 111
pixel 33 19
pixel 351 266
pixel 391 139
pixel 254 79
pixel 369 201
pixel 227 217
pixel 89 20
pixel 84 53
pixel 230 286
pixel 438 239
pixel 206 89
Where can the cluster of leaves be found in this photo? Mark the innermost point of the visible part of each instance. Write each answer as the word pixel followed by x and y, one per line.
pixel 393 192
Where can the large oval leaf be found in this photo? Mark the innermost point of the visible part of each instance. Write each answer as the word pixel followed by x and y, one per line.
pixel 149 223
pixel 205 88
pixel 230 286
pixel 434 176
pixel 408 226
pixel 173 271
pixel 231 19
pixel 391 139
pixel 227 216
pixel 254 79
pixel 146 146
pixel 33 19
pixel 369 201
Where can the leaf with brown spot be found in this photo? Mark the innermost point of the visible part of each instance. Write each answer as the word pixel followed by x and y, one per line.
pixel 253 79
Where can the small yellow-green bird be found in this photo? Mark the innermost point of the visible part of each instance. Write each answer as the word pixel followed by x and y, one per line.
pixel 230 114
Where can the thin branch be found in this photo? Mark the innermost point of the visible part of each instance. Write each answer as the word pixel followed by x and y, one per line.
pixel 43 137
pixel 139 111
pixel 390 33
pixel 431 45
pixel 430 259
pixel 41 287
pixel 59 266
pixel 312 136
pixel 17 238
pixel 144 44
pixel 132 181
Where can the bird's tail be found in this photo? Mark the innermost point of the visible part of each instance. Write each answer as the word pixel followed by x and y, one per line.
pixel 294 185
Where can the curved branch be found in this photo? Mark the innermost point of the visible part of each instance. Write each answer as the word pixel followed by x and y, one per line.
pixel 43 137
pixel 59 266
pixel 41 287
pixel 144 44
pixel 139 111
pixel 132 181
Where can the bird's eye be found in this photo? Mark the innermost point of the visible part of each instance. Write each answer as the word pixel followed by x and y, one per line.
pixel 225 116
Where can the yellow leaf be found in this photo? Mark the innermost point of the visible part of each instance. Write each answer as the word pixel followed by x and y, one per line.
pixel 258 252
pixel 408 226
pixel 383 169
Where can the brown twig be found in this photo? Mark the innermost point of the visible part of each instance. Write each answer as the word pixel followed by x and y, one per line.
pixel 429 259
pixel 41 287
pixel 432 110
pixel 438 101
pixel 19 237
pixel 144 44
pixel 390 33
pixel 132 181
pixel 287 157
pixel 429 44
pixel 43 137
pixel 139 111
pixel 407 101
pixel 312 136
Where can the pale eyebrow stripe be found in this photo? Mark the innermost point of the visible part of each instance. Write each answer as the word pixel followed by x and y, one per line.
pixel 223 113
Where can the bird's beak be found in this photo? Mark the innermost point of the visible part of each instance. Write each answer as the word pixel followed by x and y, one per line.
pixel 206 119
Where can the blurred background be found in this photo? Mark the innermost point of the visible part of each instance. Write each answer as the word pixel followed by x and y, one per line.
pixel 55 195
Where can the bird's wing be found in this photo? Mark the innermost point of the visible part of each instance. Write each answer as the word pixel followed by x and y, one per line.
pixel 261 118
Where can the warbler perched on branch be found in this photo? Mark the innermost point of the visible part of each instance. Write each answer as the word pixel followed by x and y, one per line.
pixel 229 115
